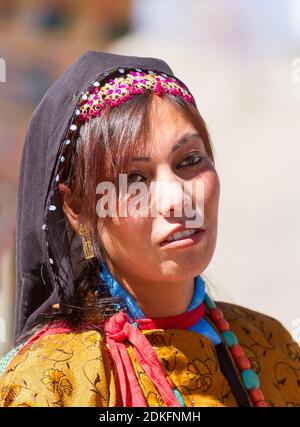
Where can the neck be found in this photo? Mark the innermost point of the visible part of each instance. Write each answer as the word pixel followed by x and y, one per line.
pixel 157 299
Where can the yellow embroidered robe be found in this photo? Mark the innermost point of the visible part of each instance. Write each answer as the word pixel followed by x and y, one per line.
pixel 76 369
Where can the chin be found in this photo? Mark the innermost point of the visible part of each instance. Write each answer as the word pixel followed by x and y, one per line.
pixel 176 271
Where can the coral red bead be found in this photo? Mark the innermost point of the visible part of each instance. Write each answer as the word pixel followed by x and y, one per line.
pixel 216 314
pixel 256 395
pixel 237 351
pixel 261 404
pixel 222 325
pixel 243 363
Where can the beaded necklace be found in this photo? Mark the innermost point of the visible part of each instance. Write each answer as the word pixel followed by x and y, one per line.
pixel 249 378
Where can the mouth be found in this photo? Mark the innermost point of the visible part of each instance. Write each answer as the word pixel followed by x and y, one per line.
pixel 184 238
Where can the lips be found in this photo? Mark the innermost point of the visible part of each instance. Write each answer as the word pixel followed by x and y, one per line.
pixel 178 229
pixel 185 242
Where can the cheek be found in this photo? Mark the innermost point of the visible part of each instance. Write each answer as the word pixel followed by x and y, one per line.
pixel 122 234
pixel 211 183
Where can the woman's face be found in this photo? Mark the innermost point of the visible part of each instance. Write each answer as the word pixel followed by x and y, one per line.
pixel 134 242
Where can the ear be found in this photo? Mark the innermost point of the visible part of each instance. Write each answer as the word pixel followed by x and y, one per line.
pixel 65 197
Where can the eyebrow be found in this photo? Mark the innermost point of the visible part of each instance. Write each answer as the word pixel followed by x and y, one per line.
pixel 183 140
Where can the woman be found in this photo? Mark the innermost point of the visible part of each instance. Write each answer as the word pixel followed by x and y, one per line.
pixel 111 309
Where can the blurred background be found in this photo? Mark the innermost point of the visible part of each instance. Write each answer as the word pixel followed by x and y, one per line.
pixel 241 61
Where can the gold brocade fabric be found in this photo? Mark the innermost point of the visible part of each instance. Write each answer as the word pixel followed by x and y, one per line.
pixel 76 369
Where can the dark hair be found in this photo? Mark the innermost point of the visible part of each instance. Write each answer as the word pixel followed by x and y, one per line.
pixel 104 148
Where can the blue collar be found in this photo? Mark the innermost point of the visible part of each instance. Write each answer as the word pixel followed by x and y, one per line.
pixel 116 290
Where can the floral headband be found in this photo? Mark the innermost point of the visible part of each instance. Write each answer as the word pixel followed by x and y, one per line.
pixel 120 89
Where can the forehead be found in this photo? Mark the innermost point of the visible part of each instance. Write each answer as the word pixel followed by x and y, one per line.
pixel 168 121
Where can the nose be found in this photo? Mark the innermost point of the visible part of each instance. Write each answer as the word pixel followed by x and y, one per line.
pixel 173 197
pixel 168 196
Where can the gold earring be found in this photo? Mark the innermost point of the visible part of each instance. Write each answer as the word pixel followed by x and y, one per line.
pixel 86 242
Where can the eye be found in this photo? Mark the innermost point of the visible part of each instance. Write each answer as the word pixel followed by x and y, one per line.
pixel 191 160
pixel 132 177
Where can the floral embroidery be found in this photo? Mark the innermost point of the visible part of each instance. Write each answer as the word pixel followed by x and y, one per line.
pixel 92 340
pixel 76 369
pixel 9 393
pixel 199 374
pixel 57 383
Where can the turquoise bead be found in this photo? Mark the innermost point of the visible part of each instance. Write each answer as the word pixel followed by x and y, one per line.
pixel 250 379
pixel 135 324
pixel 230 338
pixel 179 397
pixel 209 302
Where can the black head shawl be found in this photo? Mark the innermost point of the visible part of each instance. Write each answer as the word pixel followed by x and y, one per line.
pixel 43 262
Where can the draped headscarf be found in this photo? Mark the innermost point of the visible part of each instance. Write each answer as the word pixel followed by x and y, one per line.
pixel 44 269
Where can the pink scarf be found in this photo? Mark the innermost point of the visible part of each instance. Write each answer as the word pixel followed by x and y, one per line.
pixel 118 329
